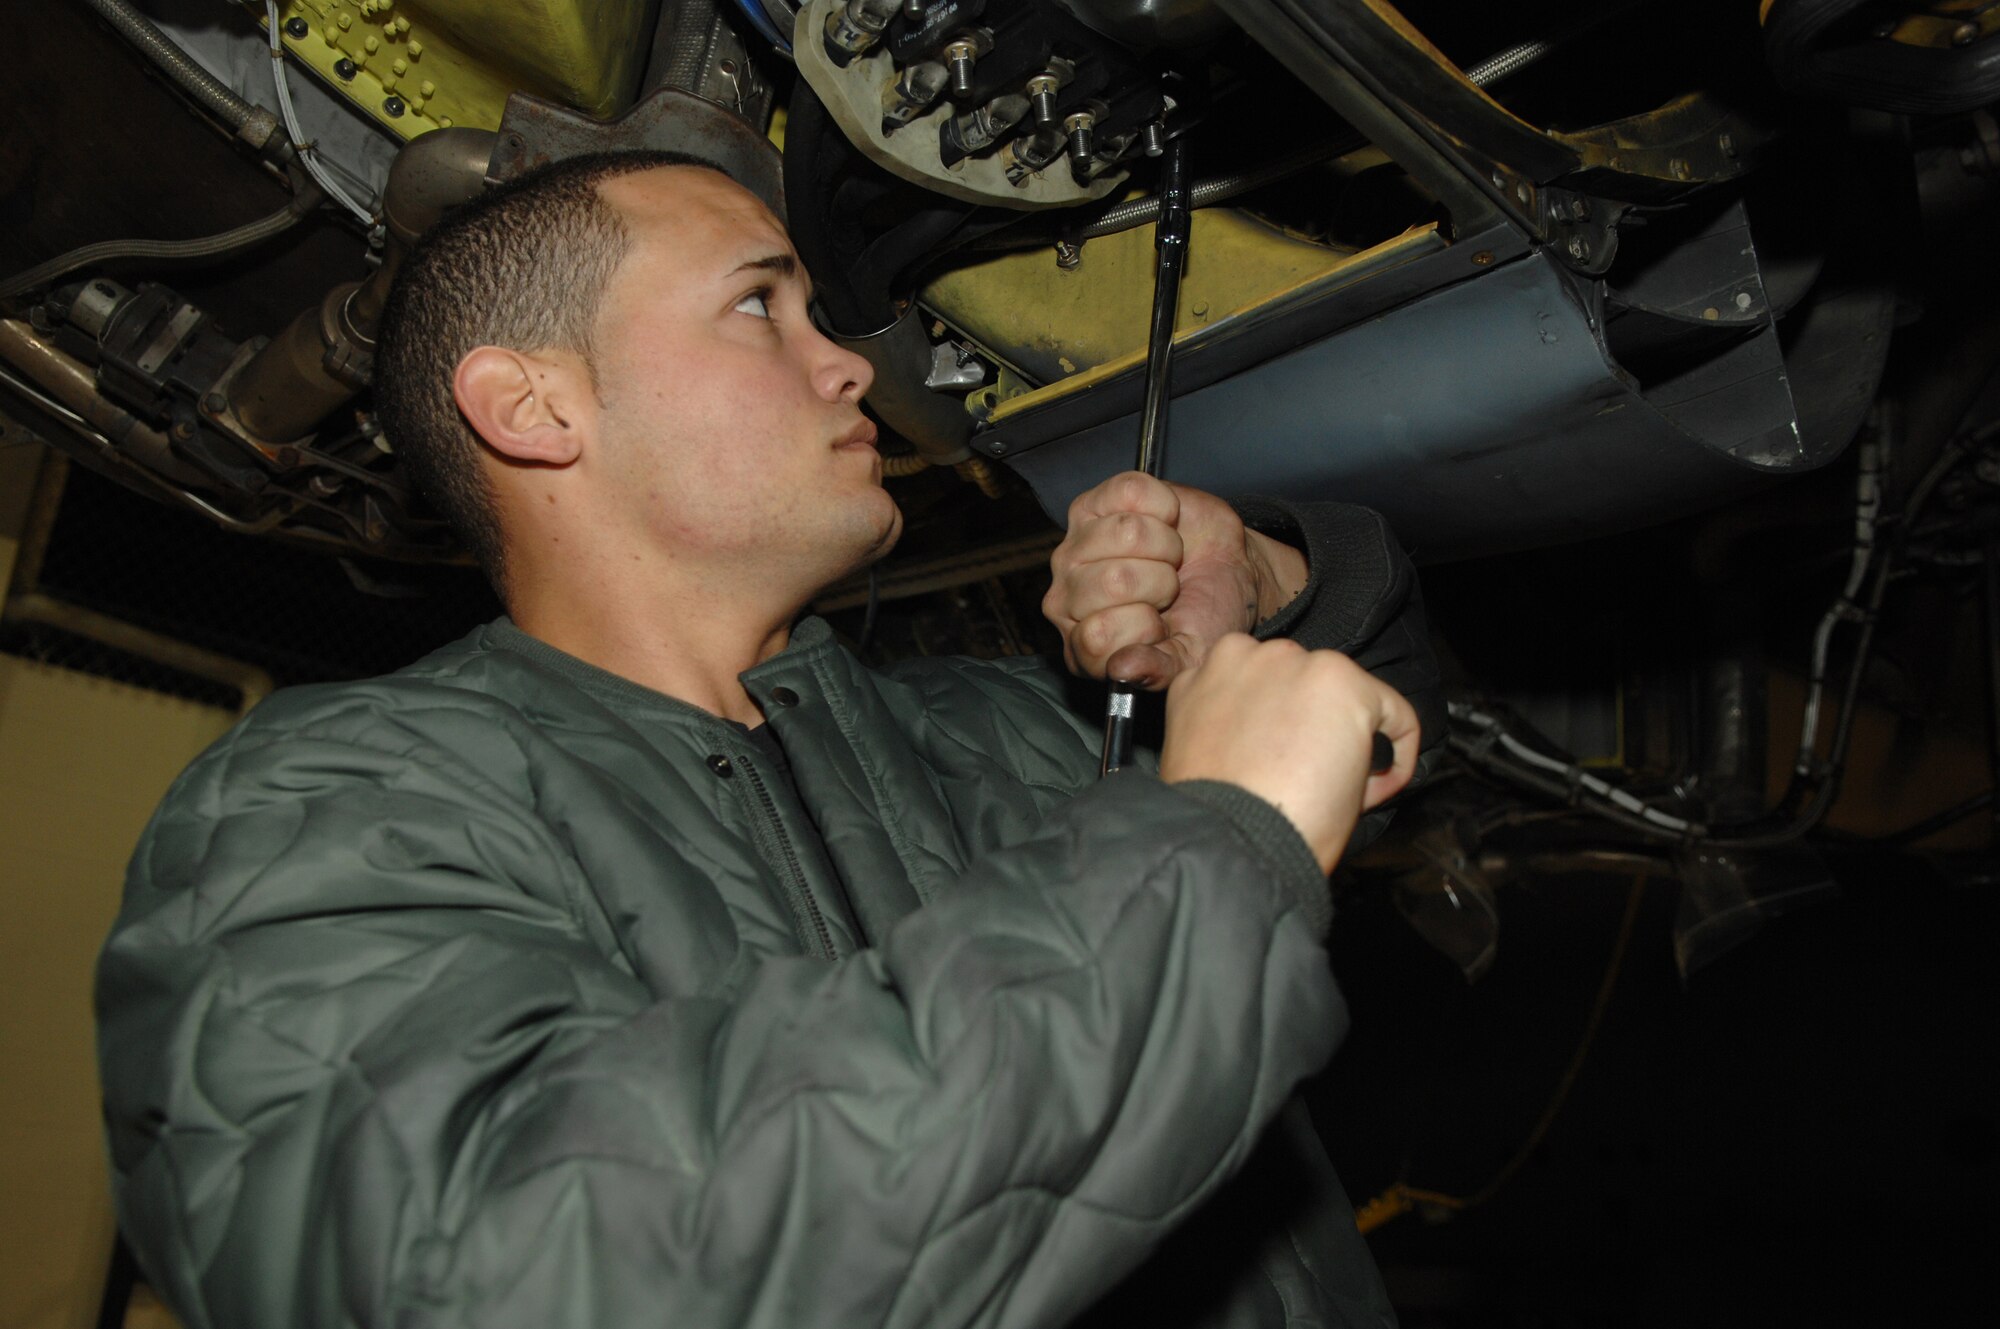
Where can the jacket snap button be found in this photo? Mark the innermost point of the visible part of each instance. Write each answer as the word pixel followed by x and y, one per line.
pixel 720 765
pixel 784 696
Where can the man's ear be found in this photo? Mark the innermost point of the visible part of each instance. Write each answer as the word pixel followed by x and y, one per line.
pixel 528 408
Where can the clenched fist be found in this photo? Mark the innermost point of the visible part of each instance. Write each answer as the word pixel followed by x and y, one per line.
pixel 1152 574
pixel 1295 727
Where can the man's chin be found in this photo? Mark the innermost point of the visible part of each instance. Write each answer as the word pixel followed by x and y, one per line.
pixel 888 537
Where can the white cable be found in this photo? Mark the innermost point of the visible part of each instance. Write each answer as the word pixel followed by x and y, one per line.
pixel 308 155
pixel 1867 516
pixel 1575 775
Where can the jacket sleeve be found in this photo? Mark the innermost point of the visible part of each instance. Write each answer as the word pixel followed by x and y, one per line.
pixel 364 1064
pixel 1361 598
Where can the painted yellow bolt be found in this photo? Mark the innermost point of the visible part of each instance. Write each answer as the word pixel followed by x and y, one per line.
pixel 373 43
pixel 417 104
pixel 401 66
pixel 427 88
pixel 444 121
pixel 403 25
pixel 345 22
pixel 385 4
pixel 416 49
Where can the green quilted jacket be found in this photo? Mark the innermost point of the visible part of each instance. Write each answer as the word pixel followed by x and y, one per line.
pixel 503 991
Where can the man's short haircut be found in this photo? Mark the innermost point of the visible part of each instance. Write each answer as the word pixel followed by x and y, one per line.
pixel 524 266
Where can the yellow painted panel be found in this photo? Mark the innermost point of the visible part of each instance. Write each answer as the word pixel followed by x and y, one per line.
pixel 417 65
pixel 83 761
pixel 1050 322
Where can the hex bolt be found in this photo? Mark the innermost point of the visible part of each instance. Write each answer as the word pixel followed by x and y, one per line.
pixel 1679 167
pixel 1154 137
pixel 296 28
pixel 1965 34
pixel 1042 90
pixel 1069 254
pixel 214 403
pixel 345 69
pixel 1579 248
pixel 392 106
pixel 959 57
pixel 1082 142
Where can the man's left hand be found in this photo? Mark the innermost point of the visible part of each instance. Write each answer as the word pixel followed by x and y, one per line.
pixel 1152 574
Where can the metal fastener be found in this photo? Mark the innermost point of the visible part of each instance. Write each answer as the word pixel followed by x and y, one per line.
pixel 392 106
pixel 1082 140
pixel 1965 34
pixel 959 56
pixel 721 765
pixel 1579 248
pixel 1068 254
pixel 345 69
pixel 1042 90
pixel 1679 167
pixel 297 28
pixel 1483 259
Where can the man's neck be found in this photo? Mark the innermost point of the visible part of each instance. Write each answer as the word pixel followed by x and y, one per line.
pixel 690 649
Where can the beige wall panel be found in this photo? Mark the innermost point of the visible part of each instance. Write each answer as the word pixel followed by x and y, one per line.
pixel 83 761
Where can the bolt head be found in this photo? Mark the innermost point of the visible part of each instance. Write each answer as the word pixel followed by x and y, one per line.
pixel 1483 259
pixel 1680 168
pixel 345 69
pixel 392 106
pixel 1579 248
pixel 214 403
pixel 296 28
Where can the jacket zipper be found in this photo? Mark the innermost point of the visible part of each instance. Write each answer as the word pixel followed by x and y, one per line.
pixel 801 893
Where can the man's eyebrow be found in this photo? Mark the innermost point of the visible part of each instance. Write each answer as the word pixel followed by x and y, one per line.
pixel 785 265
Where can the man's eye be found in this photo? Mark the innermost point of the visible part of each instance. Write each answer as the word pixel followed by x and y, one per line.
pixel 754 305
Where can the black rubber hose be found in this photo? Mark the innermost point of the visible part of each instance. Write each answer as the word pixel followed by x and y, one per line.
pixel 304 201
pixel 1815 48
pixel 192 79
pixel 828 189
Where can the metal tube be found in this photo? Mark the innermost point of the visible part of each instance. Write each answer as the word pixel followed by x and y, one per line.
pixel 156 46
pixel 72 383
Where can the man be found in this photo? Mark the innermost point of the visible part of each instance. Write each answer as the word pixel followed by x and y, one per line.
pixel 645 959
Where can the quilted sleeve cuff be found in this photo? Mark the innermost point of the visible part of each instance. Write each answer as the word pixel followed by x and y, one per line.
pixel 1271 835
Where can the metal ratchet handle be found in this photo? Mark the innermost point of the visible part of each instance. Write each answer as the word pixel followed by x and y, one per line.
pixel 1170 243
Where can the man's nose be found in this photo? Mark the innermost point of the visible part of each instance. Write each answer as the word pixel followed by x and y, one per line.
pixel 838 373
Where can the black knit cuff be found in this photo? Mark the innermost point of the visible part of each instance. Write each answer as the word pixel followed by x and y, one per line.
pixel 1355 581
pixel 1271 834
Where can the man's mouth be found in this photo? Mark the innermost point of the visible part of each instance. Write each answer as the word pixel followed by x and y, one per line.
pixel 861 436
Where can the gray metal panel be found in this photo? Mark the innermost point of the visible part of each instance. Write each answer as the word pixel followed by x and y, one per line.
pixel 1480 418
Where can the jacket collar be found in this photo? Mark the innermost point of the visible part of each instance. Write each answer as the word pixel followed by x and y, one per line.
pixel 812 642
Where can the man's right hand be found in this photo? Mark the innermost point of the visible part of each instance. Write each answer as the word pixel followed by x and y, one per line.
pixel 1295 727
